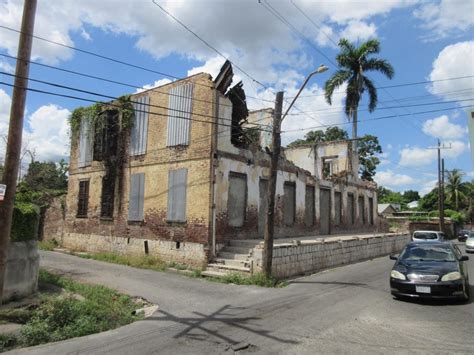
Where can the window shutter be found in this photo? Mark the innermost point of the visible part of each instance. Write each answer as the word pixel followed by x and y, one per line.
pixel 85 149
pixel 177 180
pixel 179 114
pixel 136 197
pixel 140 126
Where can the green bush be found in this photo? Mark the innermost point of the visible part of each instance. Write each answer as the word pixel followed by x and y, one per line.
pixel 25 222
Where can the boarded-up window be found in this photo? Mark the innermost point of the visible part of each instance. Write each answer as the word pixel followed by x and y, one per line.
pixel 85 146
pixel 361 209
pixel 136 197
pixel 107 198
pixel 371 210
pixel 179 114
pixel 289 203
pixel 83 198
pixel 337 207
pixel 309 206
pixel 139 132
pixel 237 199
pixel 177 181
pixel 350 208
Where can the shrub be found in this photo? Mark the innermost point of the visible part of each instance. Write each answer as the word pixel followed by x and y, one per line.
pixel 25 222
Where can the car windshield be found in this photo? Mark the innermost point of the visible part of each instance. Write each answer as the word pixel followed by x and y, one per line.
pixel 428 253
pixel 471 235
pixel 425 235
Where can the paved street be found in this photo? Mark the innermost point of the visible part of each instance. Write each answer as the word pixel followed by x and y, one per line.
pixel 348 309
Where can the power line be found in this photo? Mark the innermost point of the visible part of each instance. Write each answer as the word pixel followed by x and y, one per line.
pixel 413 105
pixel 207 43
pixel 113 105
pixel 405 84
pixel 376 119
pixel 336 109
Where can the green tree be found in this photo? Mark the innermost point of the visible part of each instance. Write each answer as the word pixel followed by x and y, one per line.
pixel 455 188
pixel 368 147
pixel 354 62
pixel 330 134
pixel 46 176
pixel 411 195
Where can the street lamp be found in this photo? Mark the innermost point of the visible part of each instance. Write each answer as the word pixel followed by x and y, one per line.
pixel 275 157
pixel 322 68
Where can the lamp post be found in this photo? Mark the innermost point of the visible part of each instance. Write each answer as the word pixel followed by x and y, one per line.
pixel 275 156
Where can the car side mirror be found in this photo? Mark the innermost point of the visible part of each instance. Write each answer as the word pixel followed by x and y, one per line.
pixel 393 257
pixel 464 258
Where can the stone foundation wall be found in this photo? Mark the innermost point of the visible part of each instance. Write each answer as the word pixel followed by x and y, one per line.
pixel 21 274
pixel 194 254
pixel 312 256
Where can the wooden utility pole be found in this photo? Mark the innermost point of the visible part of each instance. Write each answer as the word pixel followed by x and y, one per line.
pixel 441 212
pixel 270 216
pixel 15 132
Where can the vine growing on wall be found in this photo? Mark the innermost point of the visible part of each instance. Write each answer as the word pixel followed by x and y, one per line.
pixel 109 126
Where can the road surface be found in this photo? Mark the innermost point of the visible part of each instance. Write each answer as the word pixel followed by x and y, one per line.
pixel 343 310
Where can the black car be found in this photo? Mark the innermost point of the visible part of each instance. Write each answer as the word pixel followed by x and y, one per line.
pixel 430 270
pixel 463 234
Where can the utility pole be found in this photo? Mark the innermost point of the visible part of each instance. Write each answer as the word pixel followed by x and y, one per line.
pixel 441 188
pixel 270 217
pixel 440 195
pixel 275 157
pixel 15 132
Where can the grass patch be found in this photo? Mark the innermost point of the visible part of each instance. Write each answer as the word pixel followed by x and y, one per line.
pixel 48 245
pixel 64 316
pixel 142 262
pixel 257 279
pixel 155 263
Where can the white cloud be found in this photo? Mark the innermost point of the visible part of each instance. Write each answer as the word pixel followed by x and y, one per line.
pixel 359 31
pixel 440 127
pixel 6 67
pixel 454 61
pixel 324 36
pixel 427 186
pixel 415 156
pixel 389 178
pixel 156 84
pixel 49 132
pixel 446 18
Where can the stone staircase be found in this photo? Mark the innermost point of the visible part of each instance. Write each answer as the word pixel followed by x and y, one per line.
pixel 236 257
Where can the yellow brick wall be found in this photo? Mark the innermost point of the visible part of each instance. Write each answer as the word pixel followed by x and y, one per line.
pixel 156 163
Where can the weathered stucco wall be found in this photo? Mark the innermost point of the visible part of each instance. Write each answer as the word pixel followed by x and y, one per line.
pixel 312 256
pixel 22 267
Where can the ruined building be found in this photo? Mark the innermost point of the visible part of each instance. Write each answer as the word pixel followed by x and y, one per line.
pixel 183 169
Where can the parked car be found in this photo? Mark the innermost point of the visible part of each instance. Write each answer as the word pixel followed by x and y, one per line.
pixel 463 234
pixel 424 236
pixel 430 270
pixel 470 243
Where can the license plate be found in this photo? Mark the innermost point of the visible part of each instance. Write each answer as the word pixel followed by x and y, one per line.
pixel 423 289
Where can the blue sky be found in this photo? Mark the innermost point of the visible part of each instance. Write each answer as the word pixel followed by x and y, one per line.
pixel 423 40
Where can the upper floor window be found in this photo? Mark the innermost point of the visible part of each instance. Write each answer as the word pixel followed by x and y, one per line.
pixel 179 115
pixel 139 132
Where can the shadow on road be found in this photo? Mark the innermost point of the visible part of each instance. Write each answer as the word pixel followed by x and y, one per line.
pixel 206 324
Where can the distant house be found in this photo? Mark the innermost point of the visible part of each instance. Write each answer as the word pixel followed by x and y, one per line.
pixel 412 204
pixel 387 209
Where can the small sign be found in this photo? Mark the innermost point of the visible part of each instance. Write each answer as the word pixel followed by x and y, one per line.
pixel 2 191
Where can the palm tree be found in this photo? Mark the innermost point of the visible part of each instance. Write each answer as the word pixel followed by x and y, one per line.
pixel 455 188
pixel 353 63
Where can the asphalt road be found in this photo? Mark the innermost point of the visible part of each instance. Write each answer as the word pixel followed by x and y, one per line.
pixel 343 310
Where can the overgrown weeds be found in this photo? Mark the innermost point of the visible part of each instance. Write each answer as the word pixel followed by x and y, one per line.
pixel 142 262
pixel 257 279
pixel 80 310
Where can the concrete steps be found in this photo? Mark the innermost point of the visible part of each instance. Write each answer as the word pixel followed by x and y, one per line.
pixel 234 258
